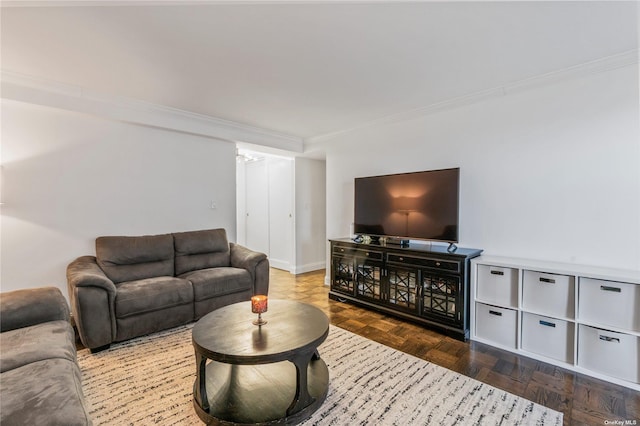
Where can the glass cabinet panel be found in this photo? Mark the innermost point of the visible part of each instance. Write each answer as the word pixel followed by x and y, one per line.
pixel 440 295
pixel 343 275
pixel 403 288
pixel 368 280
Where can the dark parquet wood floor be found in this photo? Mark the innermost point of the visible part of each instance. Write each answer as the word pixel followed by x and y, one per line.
pixel 582 399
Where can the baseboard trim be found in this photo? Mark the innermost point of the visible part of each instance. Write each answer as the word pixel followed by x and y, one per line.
pixel 308 267
pixel 280 264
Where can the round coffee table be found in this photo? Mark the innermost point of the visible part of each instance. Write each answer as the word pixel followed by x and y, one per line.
pixel 269 374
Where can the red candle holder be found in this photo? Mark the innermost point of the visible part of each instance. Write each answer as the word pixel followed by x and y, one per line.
pixel 259 306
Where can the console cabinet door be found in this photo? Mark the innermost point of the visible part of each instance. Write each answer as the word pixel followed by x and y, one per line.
pixel 402 288
pixel 442 297
pixel 368 275
pixel 342 271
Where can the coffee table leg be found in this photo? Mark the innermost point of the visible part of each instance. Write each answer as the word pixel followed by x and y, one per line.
pixel 302 398
pixel 201 382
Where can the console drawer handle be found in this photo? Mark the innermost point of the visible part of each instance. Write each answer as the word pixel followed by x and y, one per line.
pixel 547 280
pixel 547 323
pixel 367 253
pixel 497 273
pixel 401 259
pixel 614 289
pixel 609 339
pixel 496 313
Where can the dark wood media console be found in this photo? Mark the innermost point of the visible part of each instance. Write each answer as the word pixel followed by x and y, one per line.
pixel 422 283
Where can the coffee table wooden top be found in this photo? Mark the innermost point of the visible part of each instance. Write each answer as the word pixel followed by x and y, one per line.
pixel 228 335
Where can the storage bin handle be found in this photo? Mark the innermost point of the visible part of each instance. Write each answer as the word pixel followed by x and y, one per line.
pixel 497 272
pixel 499 314
pixel 609 339
pixel 547 280
pixel 607 288
pixel 547 323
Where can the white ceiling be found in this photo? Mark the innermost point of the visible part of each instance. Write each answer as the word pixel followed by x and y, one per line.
pixel 304 68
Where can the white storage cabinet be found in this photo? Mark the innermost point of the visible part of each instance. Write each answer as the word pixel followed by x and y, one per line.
pixel 578 317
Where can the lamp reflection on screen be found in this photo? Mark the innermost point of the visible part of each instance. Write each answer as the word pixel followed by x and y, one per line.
pixel 405 205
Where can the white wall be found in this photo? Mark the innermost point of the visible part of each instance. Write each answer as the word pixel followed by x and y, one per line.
pixel 70 177
pixel 547 173
pixel 310 200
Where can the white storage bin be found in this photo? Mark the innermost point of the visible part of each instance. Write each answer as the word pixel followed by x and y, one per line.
pixel 496 324
pixel 614 354
pixel 549 294
pixel 498 285
pixel 546 336
pixel 610 303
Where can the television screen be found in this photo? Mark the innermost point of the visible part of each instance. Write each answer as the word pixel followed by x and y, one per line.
pixel 420 205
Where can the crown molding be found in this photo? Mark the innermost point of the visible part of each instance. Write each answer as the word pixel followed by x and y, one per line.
pixel 24 88
pixel 608 63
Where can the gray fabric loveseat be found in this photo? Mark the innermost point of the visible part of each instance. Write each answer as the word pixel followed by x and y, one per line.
pixel 140 285
pixel 40 381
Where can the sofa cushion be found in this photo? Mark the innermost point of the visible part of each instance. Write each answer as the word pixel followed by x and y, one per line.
pixel 151 322
pixel 151 294
pixel 135 258
pixel 46 392
pixel 200 250
pixel 214 282
pixel 25 345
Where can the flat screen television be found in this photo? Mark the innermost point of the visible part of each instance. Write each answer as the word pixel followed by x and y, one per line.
pixel 419 205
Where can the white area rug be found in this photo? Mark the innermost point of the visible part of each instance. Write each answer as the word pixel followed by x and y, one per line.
pixel 149 380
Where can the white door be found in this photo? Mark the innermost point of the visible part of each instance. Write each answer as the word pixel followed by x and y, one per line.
pixel 241 200
pixel 280 172
pixel 257 206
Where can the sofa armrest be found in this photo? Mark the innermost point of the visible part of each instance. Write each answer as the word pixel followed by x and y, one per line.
pixel 23 308
pixel 85 272
pixel 255 262
pixel 92 295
